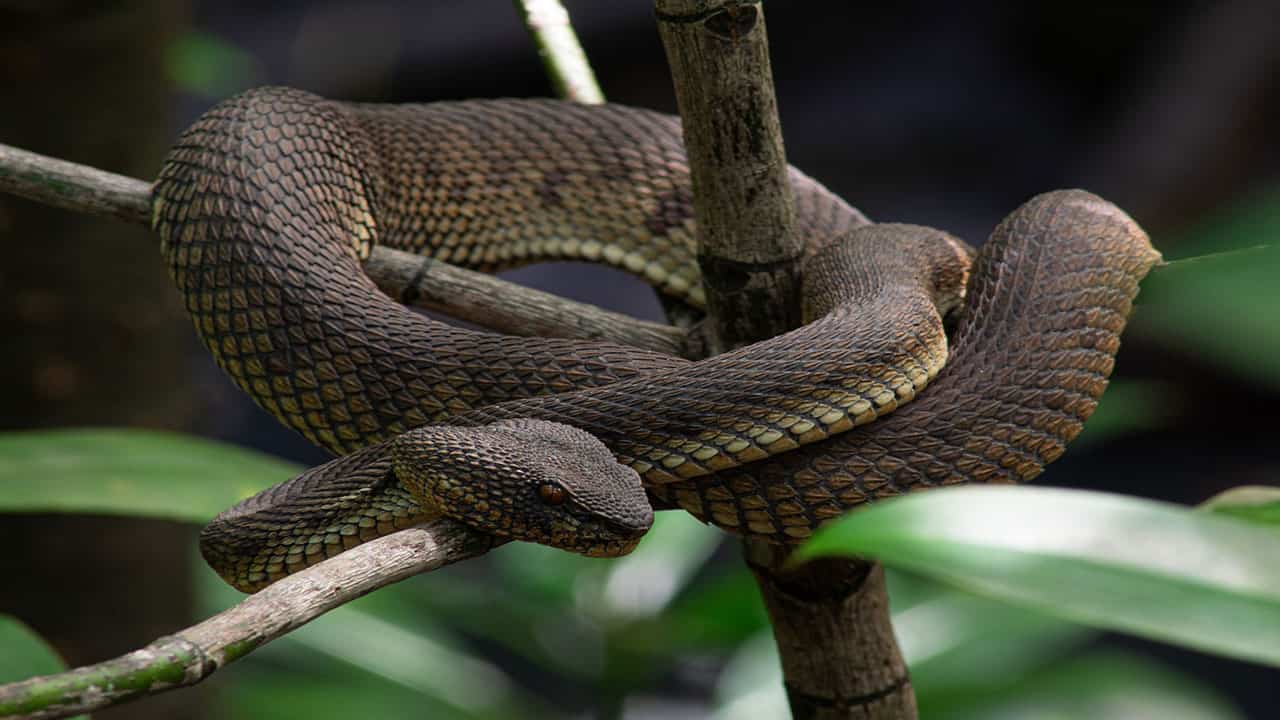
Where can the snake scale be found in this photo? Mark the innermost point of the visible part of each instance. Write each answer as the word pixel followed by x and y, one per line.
pixel 267 205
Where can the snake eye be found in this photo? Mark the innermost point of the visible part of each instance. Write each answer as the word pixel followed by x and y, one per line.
pixel 551 494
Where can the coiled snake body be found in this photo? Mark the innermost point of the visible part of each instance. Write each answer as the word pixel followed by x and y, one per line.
pixel 267 205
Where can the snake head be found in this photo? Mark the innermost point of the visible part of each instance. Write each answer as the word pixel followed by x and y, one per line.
pixel 528 480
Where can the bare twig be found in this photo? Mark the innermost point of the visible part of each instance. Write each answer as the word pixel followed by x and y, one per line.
pixel 465 294
pixel 562 56
pixel 830 620
pixel 191 655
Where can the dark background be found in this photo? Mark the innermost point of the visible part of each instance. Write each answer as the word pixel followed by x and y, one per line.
pixel 946 114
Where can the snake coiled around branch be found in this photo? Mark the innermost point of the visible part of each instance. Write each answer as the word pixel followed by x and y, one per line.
pixel 267 205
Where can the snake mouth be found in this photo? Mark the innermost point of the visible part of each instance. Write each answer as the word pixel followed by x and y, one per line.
pixel 612 548
pixel 600 537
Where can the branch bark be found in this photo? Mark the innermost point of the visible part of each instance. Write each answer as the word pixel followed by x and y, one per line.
pixel 430 284
pixel 191 655
pixel 748 254
pixel 830 619
pixel 562 56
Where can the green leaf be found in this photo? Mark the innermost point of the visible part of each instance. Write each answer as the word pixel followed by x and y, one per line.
pixel 1220 302
pixel 959 644
pixel 1129 406
pixel 129 472
pixel 205 64
pixel 1257 504
pixel 1098 686
pixel 23 653
pixel 1153 569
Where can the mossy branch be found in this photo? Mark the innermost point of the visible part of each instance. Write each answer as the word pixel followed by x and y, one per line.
pixel 191 655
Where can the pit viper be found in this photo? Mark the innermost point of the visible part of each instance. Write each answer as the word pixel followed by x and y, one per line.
pixel 267 205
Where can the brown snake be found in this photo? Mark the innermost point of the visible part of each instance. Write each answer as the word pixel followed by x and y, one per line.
pixel 267 205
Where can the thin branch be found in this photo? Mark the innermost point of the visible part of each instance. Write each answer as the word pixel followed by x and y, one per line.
pixel 464 294
pixel 74 187
pixel 830 620
pixel 514 309
pixel 191 655
pixel 562 56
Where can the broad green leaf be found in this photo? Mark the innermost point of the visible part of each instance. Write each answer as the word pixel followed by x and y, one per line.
pixel 129 472
pixel 1222 300
pixel 1259 504
pixel 1153 569
pixel 23 653
pixel 968 664
pixel 959 644
pixel 1098 686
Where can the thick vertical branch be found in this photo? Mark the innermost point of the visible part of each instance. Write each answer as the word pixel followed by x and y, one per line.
pixel 719 60
pixel 830 620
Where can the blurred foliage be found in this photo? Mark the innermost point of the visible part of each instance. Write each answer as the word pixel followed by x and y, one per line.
pixel 207 65
pixel 23 653
pixel 1154 569
pixel 1129 406
pixel 130 472
pixel 1253 503
pixel 1221 301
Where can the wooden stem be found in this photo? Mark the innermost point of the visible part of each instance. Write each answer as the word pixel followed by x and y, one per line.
pixel 830 619
pixel 719 59
pixel 191 655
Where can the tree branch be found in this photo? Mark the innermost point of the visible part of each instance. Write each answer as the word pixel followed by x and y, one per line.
pixel 75 187
pixel 434 285
pixel 562 56
pixel 191 655
pixel 830 620
pixel 749 256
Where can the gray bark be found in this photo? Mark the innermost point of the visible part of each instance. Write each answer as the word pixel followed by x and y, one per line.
pixel 830 619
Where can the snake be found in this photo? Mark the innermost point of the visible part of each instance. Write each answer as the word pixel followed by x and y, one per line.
pixel 922 362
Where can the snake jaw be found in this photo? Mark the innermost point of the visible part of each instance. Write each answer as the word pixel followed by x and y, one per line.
pixel 529 480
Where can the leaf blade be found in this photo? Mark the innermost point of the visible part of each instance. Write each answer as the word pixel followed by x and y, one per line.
pixel 129 472
pixel 1119 563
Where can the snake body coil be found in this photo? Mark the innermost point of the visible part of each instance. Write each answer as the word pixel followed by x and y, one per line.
pixel 267 205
